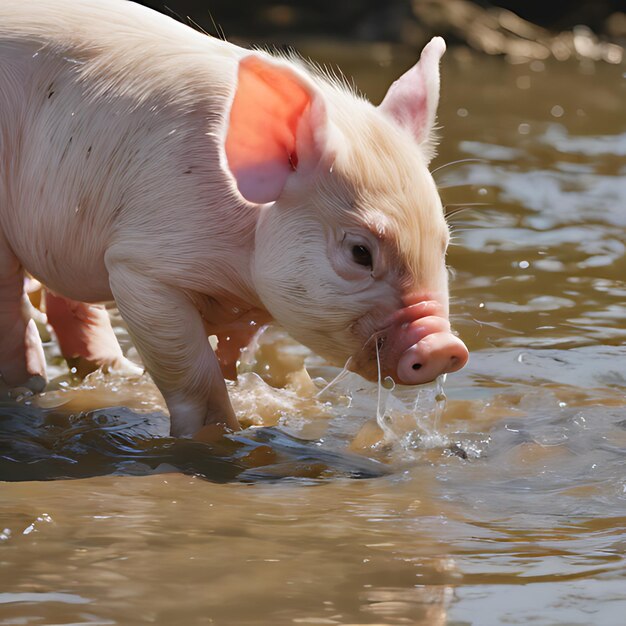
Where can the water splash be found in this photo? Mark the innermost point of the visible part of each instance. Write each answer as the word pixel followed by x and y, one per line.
pixel 342 374
pixel 409 420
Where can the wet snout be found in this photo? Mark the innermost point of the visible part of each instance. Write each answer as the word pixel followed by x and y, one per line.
pixel 420 345
pixel 435 354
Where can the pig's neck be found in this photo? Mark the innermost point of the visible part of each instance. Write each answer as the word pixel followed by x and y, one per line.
pixel 224 314
pixel 227 292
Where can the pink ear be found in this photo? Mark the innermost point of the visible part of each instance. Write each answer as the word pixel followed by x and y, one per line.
pixel 276 127
pixel 412 100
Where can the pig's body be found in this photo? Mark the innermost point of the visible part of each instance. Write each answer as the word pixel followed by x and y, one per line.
pixel 104 123
pixel 129 171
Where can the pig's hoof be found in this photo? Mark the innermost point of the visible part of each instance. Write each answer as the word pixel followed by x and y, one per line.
pixel 120 367
pixel 35 384
pixel 124 367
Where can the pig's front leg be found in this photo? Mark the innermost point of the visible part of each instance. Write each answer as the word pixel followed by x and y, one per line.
pixel 229 351
pixel 169 334
pixel 234 338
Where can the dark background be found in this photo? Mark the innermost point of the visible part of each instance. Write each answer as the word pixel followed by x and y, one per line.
pixel 408 22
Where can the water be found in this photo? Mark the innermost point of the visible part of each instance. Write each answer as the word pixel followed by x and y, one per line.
pixel 509 507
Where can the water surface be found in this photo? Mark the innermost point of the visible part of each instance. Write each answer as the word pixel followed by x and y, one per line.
pixel 509 507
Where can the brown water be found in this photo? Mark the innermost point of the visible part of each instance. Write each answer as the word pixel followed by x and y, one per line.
pixel 509 507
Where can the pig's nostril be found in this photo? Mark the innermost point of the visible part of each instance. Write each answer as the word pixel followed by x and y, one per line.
pixel 434 354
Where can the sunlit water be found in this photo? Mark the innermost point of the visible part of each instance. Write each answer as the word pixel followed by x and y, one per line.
pixel 502 501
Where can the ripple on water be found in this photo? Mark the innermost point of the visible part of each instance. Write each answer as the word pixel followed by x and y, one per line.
pixel 509 504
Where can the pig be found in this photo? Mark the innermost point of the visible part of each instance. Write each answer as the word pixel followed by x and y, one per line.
pixel 205 188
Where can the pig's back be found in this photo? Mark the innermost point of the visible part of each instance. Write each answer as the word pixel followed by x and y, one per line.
pixel 103 23
pixel 109 119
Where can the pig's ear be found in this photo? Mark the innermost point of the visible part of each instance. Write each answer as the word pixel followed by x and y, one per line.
pixel 412 100
pixel 277 127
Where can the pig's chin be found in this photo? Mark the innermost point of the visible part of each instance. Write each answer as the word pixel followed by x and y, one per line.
pixel 335 352
pixel 352 356
pixel 369 366
pixel 335 348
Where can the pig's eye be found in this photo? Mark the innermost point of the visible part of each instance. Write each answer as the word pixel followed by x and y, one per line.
pixel 362 256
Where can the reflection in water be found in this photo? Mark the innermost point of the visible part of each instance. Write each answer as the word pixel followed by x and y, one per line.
pixel 508 507
pixel 44 445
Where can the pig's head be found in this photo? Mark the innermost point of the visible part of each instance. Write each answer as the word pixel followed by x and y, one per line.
pixel 351 237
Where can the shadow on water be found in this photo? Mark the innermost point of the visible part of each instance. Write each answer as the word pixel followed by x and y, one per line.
pixel 39 444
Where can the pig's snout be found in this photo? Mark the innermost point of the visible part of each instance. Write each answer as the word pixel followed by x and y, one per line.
pixel 436 354
pixel 422 348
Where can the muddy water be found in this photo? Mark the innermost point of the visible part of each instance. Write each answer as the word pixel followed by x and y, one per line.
pixel 503 503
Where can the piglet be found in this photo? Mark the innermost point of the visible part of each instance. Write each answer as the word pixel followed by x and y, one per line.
pixel 204 187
